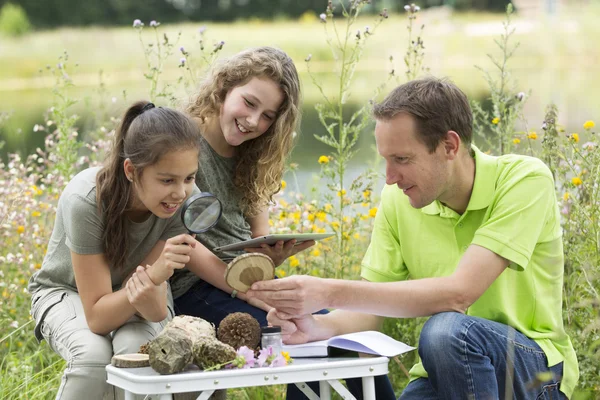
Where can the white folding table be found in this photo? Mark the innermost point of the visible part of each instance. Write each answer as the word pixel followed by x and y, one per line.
pixel 327 371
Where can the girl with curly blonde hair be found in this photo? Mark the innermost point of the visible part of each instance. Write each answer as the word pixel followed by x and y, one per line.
pixel 247 109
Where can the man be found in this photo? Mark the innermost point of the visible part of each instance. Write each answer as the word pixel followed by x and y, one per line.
pixel 480 239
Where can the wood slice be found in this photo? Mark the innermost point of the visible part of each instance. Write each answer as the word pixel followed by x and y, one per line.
pixel 133 360
pixel 248 268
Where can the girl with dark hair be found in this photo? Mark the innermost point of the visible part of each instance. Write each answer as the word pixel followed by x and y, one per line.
pixel 117 239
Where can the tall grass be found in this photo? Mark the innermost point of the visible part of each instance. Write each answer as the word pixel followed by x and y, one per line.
pixel 29 186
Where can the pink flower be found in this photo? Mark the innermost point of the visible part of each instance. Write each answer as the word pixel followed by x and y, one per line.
pixel 244 359
pixel 278 361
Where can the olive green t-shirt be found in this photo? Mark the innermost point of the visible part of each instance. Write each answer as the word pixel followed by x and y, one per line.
pixel 215 175
pixel 78 228
pixel 514 213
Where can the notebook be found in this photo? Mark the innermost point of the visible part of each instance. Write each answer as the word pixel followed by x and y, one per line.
pixel 370 342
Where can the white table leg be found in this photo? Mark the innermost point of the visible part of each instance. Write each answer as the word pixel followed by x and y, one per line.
pixel 128 395
pixel 325 390
pixel 205 395
pixel 341 389
pixel 368 387
pixel 308 392
pixel 165 396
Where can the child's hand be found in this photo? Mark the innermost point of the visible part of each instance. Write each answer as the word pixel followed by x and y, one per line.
pixel 280 251
pixel 175 255
pixel 149 300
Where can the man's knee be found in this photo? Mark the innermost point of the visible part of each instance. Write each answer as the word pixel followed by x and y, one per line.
pixel 441 332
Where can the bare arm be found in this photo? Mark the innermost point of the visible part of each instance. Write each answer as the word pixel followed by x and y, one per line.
pixel 301 295
pixel 211 269
pixel 104 310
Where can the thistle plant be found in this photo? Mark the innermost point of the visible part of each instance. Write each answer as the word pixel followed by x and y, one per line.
pixel 62 144
pixel 415 49
pixel 497 128
pixel 156 53
pixel 343 130
pixel 194 67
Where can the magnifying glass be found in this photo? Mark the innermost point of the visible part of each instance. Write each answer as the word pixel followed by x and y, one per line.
pixel 200 212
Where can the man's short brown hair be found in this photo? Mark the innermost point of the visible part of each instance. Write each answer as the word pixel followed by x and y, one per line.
pixel 437 105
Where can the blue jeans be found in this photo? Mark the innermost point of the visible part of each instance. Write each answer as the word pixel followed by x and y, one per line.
pixel 467 358
pixel 212 304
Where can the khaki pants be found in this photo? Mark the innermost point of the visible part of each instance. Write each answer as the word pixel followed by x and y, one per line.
pixel 60 320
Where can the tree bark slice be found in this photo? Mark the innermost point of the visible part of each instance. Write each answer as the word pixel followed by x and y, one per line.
pixel 134 360
pixel 248 268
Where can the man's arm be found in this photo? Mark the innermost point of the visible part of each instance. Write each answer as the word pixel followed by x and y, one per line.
pixel 301 295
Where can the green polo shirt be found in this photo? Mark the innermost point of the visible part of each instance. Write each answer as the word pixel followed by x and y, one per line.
pixel 512 212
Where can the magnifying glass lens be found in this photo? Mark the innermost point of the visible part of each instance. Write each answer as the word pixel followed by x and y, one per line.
pixel 201 212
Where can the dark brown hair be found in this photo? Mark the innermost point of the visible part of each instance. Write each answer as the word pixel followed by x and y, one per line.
pixel 437 105
pixel 144 136
pixel 261 161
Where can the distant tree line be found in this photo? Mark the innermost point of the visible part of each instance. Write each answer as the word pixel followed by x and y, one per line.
pixel 54 13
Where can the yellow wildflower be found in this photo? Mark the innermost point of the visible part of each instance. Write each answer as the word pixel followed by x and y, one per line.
pixel 576 181
pixel 20 229
pixel 311 217
pixel 356 235
pixel 575 137
pixel 373 212
pixel 516 140
pixel 321 216
pixel 495 121
pixel 36 214
pixel 315 253
pixel 296 215
pixel 280 273
pixel 323 160
pixel 335 225
pixel 532 135
pixel 566 196
pixel 588 125
pixel 271 222
pixel 283 184
pixel 367 194
pixel 287 357
pixel 38 266
pixel 341 192
pixel 327 207
pixel 294 262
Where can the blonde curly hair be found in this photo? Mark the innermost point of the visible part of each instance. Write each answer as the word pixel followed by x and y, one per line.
pixel 261 161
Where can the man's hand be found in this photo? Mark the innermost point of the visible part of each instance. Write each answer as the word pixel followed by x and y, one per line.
pixel 295 296
pixel 295 330
pixel 280 251
pixel 149 300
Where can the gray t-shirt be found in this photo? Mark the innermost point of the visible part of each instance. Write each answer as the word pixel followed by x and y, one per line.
pixel 215 175
pixel 78 228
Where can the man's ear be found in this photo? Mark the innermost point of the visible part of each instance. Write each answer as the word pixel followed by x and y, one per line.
pixel 129 169
pixel 452 144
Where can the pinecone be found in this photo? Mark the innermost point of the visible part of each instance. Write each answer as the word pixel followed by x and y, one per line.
pixel 239 329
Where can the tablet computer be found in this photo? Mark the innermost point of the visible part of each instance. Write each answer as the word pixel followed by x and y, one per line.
pixel 272 239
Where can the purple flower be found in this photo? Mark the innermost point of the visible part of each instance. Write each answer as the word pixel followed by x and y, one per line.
pixel 263 356
pixel 202 29
pixel 137 23
pixel 154 24
pixel 308 57
pixel 520 96
pixel 323 17
pixel 278 361
pixel 182 61
pixel 182 49
pixel 244 359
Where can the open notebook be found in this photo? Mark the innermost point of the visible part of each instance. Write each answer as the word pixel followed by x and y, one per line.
pixel 371 342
